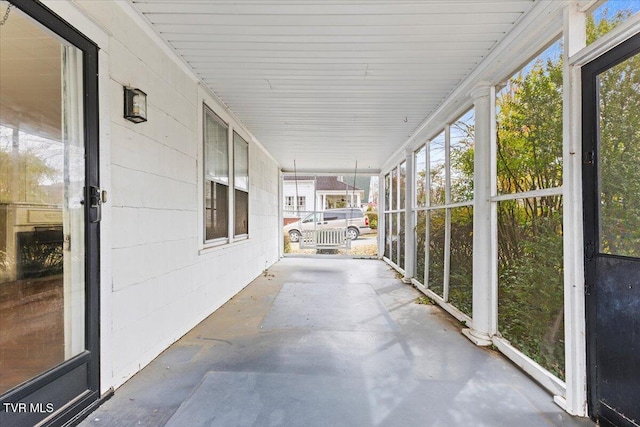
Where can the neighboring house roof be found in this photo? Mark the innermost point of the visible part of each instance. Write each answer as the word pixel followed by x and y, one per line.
pixel 325 183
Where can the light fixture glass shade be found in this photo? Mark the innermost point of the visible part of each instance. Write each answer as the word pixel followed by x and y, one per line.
pixel 135 105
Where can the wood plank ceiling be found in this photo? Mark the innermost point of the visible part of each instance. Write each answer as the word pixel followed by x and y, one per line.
pixel 326 82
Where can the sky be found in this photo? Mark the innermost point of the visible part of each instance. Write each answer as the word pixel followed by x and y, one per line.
pixel 615 5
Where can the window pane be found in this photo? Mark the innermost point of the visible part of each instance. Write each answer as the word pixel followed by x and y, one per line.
pixel 530 279
pixel 401 240
pixel 608 16
pixel 421 234
pixel 529 115
pixel 403 184
pixel 42 218
pixel 387 193
pixel 461 259
pixel 241 224
pixel 216 212
pixel 387 235
pixel 216 149
pixel 437 171
pixel 394 238
pixel 461 147
pixel 394 189
pixel 421 177
pixel 240 162
pixel 619 158
pixel 436 250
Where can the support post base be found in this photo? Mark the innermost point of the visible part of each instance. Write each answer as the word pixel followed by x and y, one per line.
pixel 477 338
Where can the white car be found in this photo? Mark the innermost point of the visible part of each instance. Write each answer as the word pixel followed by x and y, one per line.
pixel 353 219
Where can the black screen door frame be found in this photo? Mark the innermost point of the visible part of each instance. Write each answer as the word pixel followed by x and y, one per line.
pixel 591 201
pixel 76 382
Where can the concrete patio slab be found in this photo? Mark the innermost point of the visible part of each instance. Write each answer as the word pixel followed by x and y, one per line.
pixel 329 342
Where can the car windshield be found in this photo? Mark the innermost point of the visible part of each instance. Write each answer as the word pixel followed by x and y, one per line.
pixel 312 217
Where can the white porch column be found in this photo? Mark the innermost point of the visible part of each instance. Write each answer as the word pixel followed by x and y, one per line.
pixel 484 300
pixel 409 234
pixel 575 400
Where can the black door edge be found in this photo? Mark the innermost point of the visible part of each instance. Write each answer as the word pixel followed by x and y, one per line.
pixel 607 60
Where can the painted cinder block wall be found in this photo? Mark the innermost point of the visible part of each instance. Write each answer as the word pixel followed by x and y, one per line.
pixel 158 280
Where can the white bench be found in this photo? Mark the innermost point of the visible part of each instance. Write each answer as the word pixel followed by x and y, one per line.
pixel 326 238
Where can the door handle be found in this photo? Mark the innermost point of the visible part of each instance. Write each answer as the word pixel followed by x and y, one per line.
pixel 95 204
pixel 589 250
pixel 588 157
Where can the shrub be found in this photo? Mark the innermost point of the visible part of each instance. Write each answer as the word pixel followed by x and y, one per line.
pixel 373 218
pixel 287 244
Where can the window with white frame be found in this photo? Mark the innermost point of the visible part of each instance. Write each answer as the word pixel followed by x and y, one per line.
pixel 216 177
pixel 402 190
pixel 226 189
pixel 241 184
pixel 529 207
pixel 460 213
pixel 444 213
pixel 391 213
pixel 289 205
pixel 301 203
pixel 395 193
pixel 388 195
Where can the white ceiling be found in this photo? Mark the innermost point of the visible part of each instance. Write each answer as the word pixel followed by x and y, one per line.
pixel 325 82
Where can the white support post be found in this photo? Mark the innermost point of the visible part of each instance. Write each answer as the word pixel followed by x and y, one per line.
pixel 575 400
pixel 409 201
pixel 484 303
pixel 382 238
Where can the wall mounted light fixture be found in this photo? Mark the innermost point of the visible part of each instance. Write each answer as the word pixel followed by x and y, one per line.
pixel 135 105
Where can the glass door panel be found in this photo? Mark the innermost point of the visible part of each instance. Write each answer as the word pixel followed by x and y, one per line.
pixel 619 159
pixel 42 229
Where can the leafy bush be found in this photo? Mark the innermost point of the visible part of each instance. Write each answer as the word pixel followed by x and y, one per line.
pixel 287 244
pixel 373 219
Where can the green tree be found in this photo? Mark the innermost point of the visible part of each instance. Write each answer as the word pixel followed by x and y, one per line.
pixel 619 147
pixel 529 157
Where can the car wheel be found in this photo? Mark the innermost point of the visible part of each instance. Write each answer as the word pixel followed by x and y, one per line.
pixel 353 233
pixel 294 236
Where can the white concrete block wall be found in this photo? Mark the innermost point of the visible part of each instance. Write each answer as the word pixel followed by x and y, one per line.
pixel 157 282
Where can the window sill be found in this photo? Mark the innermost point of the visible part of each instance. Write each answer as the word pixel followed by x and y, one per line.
pixel 211 247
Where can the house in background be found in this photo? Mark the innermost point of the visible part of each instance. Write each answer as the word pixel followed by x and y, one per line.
pixel 329 192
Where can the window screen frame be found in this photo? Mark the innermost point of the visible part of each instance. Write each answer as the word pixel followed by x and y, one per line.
pixel 207 114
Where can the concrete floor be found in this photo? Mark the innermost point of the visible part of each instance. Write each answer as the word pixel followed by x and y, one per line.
pixel 329 342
